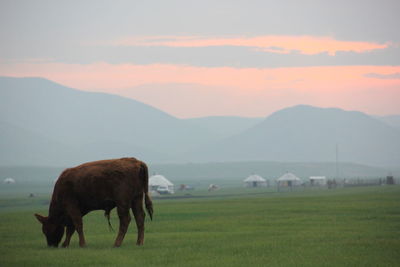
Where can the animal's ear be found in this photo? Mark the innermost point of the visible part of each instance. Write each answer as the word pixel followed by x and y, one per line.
pixel 40 218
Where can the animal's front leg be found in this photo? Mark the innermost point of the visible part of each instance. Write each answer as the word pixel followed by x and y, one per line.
pixel 76 218
pixel 124 220
pixel 69 233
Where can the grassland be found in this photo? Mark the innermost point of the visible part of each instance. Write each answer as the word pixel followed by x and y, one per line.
pixel 240 227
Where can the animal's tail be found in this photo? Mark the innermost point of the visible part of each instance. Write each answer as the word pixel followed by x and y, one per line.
pixel 144 174
pixel 107 215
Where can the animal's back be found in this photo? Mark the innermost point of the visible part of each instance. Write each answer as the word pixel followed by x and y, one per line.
pixel 97 182
pixel 101 169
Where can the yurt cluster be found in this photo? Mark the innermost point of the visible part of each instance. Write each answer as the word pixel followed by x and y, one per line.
pixel 287 180
pixel 160 185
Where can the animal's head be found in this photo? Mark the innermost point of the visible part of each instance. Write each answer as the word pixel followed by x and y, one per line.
pixel 53 232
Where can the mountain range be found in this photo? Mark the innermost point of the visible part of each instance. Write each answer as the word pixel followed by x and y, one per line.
pixel 393 120
pixel 305 133
pixel 45 123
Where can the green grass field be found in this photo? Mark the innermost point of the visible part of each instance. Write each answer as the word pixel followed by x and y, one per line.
pixel 241 227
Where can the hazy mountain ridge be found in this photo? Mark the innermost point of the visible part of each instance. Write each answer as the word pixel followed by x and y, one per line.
pixel 24 147
pixel 393 120
pixel 96 125
pixel 225 126
pixel 44 123
pixel 305 133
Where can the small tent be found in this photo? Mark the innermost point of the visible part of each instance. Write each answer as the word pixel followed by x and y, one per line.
pixel 317 180
pixel 289 179
pixel 255 180
pixel 213 187
pixel 160 184
pixel 9 180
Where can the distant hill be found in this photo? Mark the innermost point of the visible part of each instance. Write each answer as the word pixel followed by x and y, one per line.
pixel 224 126
pixel 393 120
pixel 19 146
pixel 45 123
pixel 58 125
pixel 305 133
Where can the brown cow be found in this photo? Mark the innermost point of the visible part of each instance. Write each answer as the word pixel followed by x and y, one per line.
pixel 98 185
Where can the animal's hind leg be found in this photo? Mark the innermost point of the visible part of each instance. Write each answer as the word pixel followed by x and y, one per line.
pixel 124 220
pixel 138 212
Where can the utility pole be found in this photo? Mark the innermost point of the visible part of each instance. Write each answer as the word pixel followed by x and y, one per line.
pixel 337 167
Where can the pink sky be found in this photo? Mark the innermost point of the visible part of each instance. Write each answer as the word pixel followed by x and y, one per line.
pixel 188 91
pixel 203 58
pixel 282 44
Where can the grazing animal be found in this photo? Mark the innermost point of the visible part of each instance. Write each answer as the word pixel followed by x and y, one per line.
pixel 98 185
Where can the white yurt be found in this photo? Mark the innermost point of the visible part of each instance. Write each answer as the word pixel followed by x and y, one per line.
pixel 289 179
pixel 255 180
pixel 213 187
pixel 318 180
pixel 9 180
pixel 161 184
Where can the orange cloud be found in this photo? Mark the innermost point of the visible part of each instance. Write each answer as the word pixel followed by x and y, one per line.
pixel 308 45
pixel 246 92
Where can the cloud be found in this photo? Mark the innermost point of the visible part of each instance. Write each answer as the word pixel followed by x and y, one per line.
pixel 390 76
pixel 216 56
pixel 281 44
